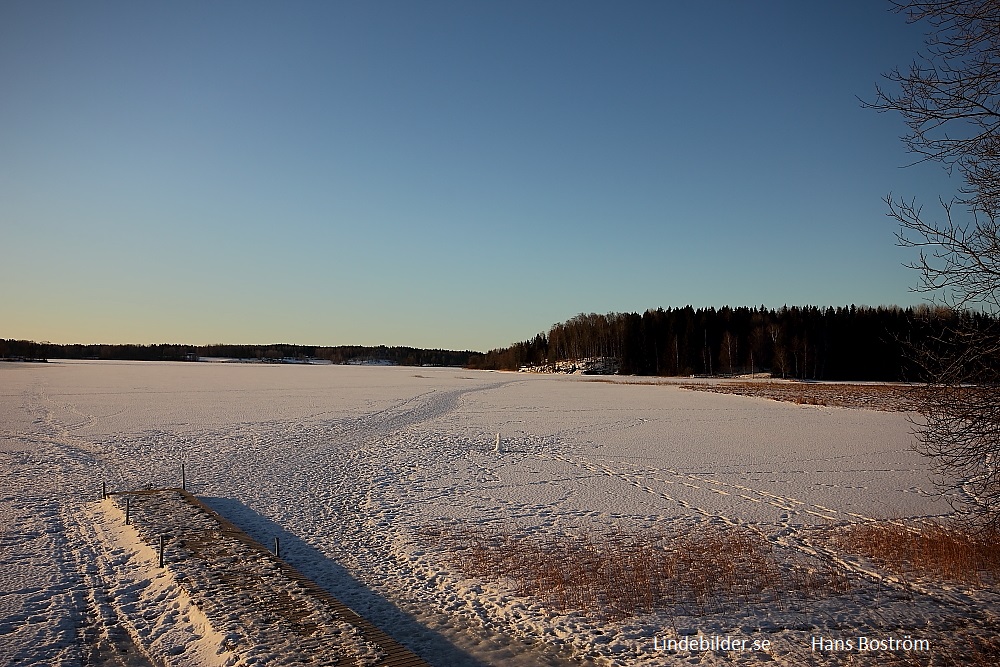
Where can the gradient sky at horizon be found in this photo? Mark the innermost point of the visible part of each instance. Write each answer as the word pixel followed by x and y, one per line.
pixel 440 174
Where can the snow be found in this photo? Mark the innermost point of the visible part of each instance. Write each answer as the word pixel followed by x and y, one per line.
pixel 194 610
pixel 353 467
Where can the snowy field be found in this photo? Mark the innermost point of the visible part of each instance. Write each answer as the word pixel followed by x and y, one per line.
pixel 357 468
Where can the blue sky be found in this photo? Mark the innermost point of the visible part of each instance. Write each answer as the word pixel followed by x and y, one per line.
pixel 440 174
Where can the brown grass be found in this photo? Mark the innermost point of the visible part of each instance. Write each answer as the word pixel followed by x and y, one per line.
pixel 926 549
pixel 706 569
pixel 888 398
pixel 883 397
pixel 625 573
pixel 809 400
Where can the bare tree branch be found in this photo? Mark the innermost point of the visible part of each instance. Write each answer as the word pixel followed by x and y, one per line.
pixel 949 99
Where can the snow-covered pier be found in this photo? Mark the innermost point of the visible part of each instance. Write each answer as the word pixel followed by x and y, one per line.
pixel 220 598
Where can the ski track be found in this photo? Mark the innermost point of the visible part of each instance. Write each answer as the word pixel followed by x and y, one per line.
pixel 352 486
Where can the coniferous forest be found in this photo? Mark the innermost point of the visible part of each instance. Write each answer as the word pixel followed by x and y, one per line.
pixel 811 343
pixel 845 343
pixel 277 353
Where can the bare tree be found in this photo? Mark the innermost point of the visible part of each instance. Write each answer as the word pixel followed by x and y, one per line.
pixel 950 95
pixel 949 98
pixel 960 411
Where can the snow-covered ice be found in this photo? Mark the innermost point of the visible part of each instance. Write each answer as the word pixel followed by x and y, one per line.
pixel 352 466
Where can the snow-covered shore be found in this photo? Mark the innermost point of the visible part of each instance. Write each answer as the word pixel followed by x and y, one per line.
pixel 354 467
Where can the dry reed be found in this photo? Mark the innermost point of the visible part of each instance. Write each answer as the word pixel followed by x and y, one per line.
pixel 623 573
pixel 705 569
pixel 926 548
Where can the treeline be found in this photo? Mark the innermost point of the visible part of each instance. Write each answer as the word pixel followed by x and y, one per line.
pixel 343 354
pixel 404 356
pixel 845 343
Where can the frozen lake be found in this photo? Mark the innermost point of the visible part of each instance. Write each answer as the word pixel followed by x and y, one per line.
pixel 351 464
